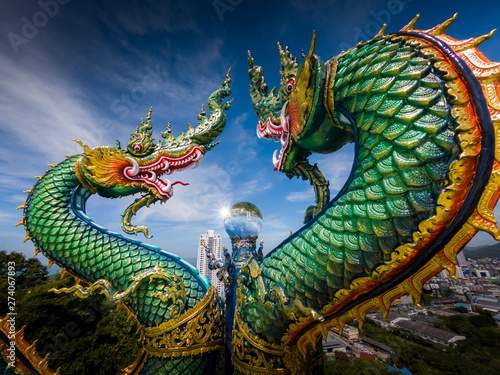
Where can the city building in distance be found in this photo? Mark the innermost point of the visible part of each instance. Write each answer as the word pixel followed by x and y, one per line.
pixel 214 243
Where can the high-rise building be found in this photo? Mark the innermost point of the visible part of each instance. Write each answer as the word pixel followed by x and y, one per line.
pixel 461 261
pixel 214 243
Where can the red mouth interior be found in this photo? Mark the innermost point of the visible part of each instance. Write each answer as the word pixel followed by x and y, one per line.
pixel 278 131
pixel 151 173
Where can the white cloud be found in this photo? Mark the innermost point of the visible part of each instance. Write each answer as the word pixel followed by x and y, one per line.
pixel 209 186
pixel 301 196
pixel 252 188
pixel 41 115
pixel 336 167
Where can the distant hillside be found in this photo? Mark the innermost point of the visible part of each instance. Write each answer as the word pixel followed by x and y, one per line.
pixel 492 251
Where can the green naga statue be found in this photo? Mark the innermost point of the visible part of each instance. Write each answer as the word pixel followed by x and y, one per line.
pixel 423 110
pixel 180 313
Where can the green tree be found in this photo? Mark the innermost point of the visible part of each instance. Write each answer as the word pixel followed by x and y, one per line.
pixel 18 275
pixel 484 319
pixel 479 354
pixel 447 293
pixel 461 309
pixel 81 336
pixel 358 367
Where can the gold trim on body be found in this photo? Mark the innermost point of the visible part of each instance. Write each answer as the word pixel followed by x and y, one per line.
pixel 196 331
pixel 252 355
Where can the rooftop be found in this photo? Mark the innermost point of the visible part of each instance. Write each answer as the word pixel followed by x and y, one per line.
pixel 377 345
pixel 429 331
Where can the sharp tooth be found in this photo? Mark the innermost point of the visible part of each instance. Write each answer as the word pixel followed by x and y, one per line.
pixel 132 171
pixel 282 139
pixel 168 185
pixel 153 176
pixel 259 125
pixel 275 159
pixel 198 157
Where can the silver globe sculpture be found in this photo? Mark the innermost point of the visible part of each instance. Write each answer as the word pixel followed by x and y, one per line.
pixel 244 220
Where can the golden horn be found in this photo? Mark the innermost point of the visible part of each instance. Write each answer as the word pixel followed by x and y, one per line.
pixel 381 32
pixel 441 28
pixel 311 49
pixel 411 24
pixel 475 42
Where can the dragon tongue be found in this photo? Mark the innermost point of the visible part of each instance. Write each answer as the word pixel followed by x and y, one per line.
pixel 180 182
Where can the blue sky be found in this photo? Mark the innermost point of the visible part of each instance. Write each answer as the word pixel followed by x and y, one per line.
pixel 90 70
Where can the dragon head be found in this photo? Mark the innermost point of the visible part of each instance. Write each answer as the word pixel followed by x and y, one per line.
pixel 142 166
pixel 300 116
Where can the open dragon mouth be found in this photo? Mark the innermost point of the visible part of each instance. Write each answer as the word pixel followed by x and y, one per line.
pixel 278 131
pixel 151 173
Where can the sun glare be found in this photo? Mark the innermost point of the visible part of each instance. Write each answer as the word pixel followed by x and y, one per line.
pixel 223 210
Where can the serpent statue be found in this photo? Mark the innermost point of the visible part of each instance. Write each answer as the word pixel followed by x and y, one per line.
pixel 178 310
pixel 423 110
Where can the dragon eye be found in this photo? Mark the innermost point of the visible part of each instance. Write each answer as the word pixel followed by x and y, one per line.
pixel 289 86
pixel 137 147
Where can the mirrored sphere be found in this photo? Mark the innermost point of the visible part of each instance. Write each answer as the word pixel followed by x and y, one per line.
pixel 243 219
